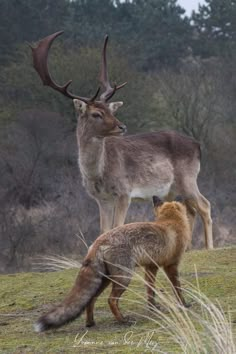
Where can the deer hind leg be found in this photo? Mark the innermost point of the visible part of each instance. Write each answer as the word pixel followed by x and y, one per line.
pixel 90 307
pixel 119 285
pixel 150 277
pixel 196 200
pixel 203 207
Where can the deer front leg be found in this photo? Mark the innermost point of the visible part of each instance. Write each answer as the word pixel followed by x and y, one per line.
pixel 121 208
pixel 106 209
pixel 113 212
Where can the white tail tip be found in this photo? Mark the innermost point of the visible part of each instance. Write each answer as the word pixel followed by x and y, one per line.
pixel 38 327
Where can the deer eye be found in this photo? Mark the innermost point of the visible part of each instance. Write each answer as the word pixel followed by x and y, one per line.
pixel 97 115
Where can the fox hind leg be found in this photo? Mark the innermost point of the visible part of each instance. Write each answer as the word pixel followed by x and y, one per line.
pixel 90 308
pixel 150 277
pixel 173 275
pixel 119 285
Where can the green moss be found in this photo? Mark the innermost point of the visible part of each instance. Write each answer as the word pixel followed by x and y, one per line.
pixel 24 296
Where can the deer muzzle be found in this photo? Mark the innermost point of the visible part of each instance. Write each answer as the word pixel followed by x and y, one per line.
pixel 122 128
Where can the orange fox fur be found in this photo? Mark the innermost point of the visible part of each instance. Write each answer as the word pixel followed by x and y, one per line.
pixel 113 256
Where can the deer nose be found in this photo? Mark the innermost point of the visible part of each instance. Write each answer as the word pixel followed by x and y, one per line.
pixel 123 128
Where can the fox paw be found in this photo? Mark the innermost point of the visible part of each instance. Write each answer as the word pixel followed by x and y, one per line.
pixel 153 306
pixel 129 320
pixel 90 324
pixel 157 307
pixel 187 305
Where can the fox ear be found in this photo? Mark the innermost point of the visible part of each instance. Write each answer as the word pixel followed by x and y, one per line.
pixel 179 199
pixel 156 201
pixel 80 106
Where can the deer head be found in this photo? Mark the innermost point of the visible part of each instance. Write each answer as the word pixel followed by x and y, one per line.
pixel 96 117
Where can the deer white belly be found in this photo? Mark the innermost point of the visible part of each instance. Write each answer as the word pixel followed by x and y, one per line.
pixel 149 191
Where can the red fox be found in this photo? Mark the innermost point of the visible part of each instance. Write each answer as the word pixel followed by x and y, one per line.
pixel 113 256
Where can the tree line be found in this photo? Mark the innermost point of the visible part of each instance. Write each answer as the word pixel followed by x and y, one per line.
pixel 152 32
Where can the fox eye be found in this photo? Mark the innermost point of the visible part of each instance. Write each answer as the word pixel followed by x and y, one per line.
pixel 97 115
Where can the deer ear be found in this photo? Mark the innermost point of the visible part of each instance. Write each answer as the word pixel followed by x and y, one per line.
pixel 156 201
pixel 113 106
pixel 80 106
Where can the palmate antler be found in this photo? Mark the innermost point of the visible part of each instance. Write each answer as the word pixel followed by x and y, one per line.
pixel 109 91
pixel 40 62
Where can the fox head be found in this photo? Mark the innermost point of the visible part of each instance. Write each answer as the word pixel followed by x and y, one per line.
pixel 171 210
pixel 167 209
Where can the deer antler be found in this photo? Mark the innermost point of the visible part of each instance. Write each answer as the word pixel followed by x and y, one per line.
pixel 40 58
pixel 109 91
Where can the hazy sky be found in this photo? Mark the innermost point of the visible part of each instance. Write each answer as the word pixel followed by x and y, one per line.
pixel 190 5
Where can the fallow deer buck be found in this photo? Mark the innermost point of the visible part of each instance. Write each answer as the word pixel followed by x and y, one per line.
pixel 116 168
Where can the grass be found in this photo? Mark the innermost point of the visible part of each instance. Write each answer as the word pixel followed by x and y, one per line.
pixel 25 296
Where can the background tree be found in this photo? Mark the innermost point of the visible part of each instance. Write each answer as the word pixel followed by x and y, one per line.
pixel 28 20
pixel 215 26
pixel 159 33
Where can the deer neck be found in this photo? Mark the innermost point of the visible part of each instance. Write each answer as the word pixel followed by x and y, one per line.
pixel 91 157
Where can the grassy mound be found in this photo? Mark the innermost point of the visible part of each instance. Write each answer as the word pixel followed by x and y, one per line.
pixel 25 296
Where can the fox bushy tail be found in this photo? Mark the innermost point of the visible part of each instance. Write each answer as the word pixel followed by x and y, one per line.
pixel 88 282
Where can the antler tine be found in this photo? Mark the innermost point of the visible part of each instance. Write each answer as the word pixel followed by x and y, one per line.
pixel 96 95
pixel 109 91
pixel 40 59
